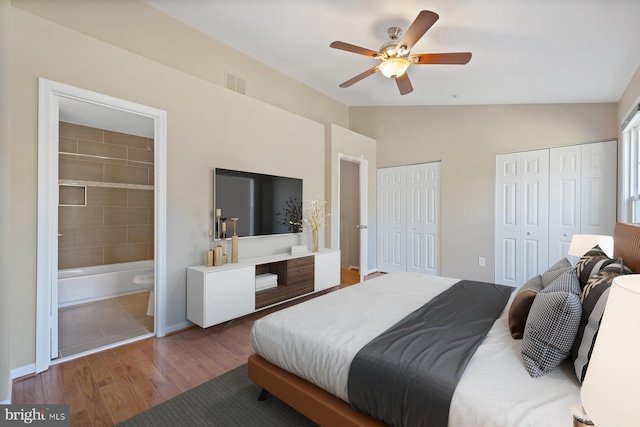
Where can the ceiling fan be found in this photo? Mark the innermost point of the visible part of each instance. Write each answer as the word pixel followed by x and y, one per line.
pixel 396 57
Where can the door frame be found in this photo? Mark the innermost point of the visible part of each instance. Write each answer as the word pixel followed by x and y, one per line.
pixel 363 168
pixel 49 94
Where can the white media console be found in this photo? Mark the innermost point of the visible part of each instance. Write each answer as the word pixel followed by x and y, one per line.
pixel 219 294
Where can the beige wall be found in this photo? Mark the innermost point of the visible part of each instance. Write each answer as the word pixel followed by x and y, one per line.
pixel 630 97
pixel 466 139
pixel 137 27
pixel 208 126
pixel 5 198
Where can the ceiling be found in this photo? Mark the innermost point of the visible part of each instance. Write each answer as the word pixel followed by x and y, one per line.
pixel 524 52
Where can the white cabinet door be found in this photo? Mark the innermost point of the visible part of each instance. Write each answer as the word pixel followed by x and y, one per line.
pixel 599 179
pixel 522 216
pixel 326 270
pixel 229 294
pixel 565 166
pixel 423 200
pixel 392 222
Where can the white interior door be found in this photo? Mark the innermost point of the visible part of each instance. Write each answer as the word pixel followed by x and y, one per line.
pixel 423 199
pixel 364 218
pixel 392 223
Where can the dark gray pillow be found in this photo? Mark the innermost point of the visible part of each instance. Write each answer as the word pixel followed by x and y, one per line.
pixel 552 325
pixel 594 299
pixel 555 271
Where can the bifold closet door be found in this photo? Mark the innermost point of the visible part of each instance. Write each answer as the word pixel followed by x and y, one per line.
pixel 423 196
pixel 522 216
pixel 392 222
pixel 582 193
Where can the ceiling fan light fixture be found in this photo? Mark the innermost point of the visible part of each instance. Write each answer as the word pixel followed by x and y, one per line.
pixel 394 67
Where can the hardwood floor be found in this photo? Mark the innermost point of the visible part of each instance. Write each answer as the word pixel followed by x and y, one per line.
pixel 105 388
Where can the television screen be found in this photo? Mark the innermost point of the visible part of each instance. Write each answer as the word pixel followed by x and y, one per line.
pixel 263 204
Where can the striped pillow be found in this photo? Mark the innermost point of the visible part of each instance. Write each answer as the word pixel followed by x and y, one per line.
pixel 594 299
pixel 552 325
pixel 591 263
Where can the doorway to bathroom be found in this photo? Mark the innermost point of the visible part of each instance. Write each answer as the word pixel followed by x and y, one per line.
pixel 105 228
pixel 101 222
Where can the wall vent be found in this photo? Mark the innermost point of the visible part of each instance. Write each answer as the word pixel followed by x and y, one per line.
pixel 235 83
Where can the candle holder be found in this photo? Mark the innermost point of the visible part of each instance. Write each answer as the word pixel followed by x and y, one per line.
pixel 234 242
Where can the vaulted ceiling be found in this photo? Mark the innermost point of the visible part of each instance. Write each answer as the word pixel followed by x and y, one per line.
pixel 545 51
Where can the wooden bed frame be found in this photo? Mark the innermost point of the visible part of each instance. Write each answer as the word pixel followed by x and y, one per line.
pixel 326 409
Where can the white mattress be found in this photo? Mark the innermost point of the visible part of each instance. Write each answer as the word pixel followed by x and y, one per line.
pixel 318 339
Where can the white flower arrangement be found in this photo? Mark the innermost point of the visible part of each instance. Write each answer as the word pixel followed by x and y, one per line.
pixel 314 214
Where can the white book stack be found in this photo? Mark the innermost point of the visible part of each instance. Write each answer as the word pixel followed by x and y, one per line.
pixel 266 281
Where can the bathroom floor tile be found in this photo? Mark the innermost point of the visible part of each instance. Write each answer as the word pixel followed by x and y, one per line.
pixel 96 324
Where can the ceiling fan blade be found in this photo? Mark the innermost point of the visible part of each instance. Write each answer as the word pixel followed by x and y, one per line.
pixel 404 84
pixel 441 58
pixel 355 49
pixel 360 76
pixel 419 26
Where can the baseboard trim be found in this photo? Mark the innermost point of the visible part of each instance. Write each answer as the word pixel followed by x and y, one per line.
pixel 23 371
pixel 177 327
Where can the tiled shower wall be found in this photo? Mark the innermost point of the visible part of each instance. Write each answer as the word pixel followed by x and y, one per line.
pixel 113 221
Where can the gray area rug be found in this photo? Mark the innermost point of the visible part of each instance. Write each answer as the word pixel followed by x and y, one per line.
pixel 228 400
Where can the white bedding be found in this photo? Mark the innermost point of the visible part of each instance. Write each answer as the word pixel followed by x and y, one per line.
pixel 318 339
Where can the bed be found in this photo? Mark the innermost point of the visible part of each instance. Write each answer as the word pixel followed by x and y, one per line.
pixel 304 353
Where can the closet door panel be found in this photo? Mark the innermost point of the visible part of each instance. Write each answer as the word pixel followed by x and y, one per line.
pixel 565 165
pixel 535 223
pixel 599 179
pixel 522 216
pixel 392 215
pixel 507 226
pixel 423 186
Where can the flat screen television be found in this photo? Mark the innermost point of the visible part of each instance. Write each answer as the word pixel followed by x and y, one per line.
pixel 263 204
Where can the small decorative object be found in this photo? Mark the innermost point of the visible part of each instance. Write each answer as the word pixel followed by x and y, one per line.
pixel 234 241
pixel 224 258
pixel 292 215
pixel 218 253
pixel 210 252
pixel 313 219
pixel 218 215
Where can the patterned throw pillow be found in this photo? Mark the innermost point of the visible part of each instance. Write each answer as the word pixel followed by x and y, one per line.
pixel 590 263
pixel 552 325
pixel 521 305
pixel 555 271
pixel 594 299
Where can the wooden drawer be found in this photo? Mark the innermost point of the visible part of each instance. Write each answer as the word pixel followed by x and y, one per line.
pixel 300 289
pixel 271 296
pixel 300 271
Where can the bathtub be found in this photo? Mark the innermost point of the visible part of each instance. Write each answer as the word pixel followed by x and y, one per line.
pixel 85 284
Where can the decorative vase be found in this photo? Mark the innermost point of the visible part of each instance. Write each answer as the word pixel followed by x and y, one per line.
pixel 234 248
pixel 218 252
pixel 314 245
pixel 210 258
